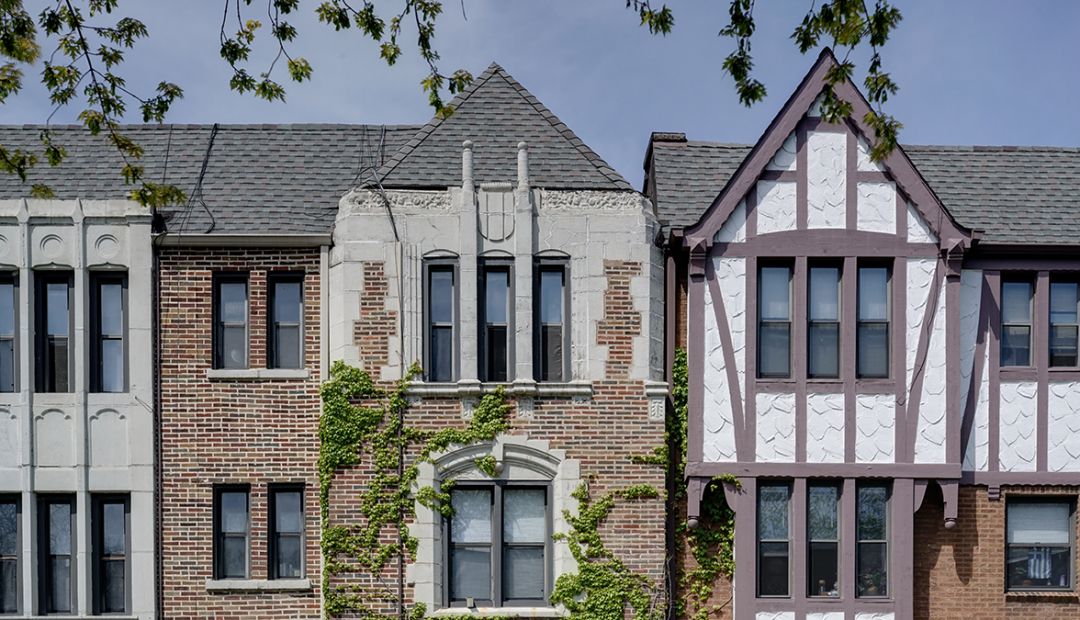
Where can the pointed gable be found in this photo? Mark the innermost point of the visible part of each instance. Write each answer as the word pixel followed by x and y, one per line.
pixel 496 113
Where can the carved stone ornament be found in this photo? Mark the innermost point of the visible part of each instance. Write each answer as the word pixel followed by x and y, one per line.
pixel 587 200
pixel 365 201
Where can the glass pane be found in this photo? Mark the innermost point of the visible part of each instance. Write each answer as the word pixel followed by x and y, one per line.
pixel 112 309
pixel 822 513
pixel 873 353
pixel 470 573
pixel 1063 345
pixel 1015 302
pixel 442 352
pixel 56 305
pixel 551 296
pixel 824 569
pixel 773 569
pixel 773 512
pixel 112 365
pixel 824 350
pixel 234 347
pixel 59 529
pixel 234 513
pixel 9 586
pixel 287 506
pixel 873 570
pixel 58 358
pixel 873 294
pixel 235 554
pixel 233 302
pixel 775 294
pixel 1037 523
pixel 824 294
pixel 9 528
pixel 1039 567
pixel 114 598
pixel 287 347
pixel 288 557
pixel 551 353
pixel 113 534
pixel 1015 345
pixel 287 303
pixel 7 309
pixel 1062 302
pixel 523 573
pixel 472 516
pixel 7 365
pixel 442 296
pixel 524 516
pixel 872 507
pixel 497 289
pixel 496 353
pixel 59 584
pixel 774 350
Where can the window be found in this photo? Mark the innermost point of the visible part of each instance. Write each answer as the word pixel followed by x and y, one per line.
pixel 9 303
pixel 552 336
pixel 823 329
pixel 231 533
pixel 872 540
pixel 52 329
pixel 499 546
pixel 56 548
pixel 823 534
pixel 287 532
pixel 495 313
pixel 231 321
pixel 1016 323
pixel 9 554
pixel 111 535
pixel 108 305
pixel 1039 544
pixel 774 322
pixel 1063 323
pixel 872 332
pixel 286 321
pixel 440 322
pixel 774 539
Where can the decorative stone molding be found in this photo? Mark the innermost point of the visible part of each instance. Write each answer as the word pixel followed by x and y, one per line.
pixel 588 200
pixel 257 585
pixel 410 202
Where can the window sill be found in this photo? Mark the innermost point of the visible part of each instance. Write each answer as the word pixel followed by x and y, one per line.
pixel 498 612
pixel 257 585
pixel 1021 595
pixel 257 374
pixel 517 388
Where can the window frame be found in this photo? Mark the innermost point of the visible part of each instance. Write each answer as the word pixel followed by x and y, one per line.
pixel 45 381
pixel 838 486
pixel 273 536
pixel 1051 324
pixel 220 535
pixel 44 550
pixel 759 541
pixel 434 266
pixel 99 559
pixel 1030 324
pixel 1042 499
pixel 484 328
pixel 15 500
pixel 887 541
pixel 97 363
pixel 543 265
pixel 273 325
pixel 497 546
pixel 12 279
pixel 887 321
pixel 790 267
pixel 811 322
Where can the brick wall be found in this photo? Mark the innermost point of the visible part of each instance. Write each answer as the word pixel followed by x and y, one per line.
pixel 232 432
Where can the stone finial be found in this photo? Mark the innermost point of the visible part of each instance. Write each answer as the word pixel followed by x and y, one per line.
pixel 523 167
pixel 466 165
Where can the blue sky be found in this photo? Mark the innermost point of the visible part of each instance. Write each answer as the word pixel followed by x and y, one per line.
pixel 985 72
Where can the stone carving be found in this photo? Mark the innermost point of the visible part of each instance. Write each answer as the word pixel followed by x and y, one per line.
pixel 468 405
pixel 589 200
pixel 876 210
pixel 931 434
pixel 865 163
pixel 826 180
pixel 918 231
pixel 51 246
pixel 1063 426
pixel 785 157
pixel 775 206
pixel 731 277
pixel 4 246
pixel 825 428
pixel 656 409
pixel 526 407
pixel 107 246
pixel 734 229
pixel 10 439
pixel 719 425
pixel 775 427
pixel 495 214
pixel 875 428
pixel 1016 426
pixel 417 202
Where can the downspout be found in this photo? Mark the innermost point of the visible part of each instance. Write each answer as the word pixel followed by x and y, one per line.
pixel 159 542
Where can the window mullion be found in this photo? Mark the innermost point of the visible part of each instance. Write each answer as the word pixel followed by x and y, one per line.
pixel 497 547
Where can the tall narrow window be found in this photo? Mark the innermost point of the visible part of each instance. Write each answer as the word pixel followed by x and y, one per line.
pixel 231 321
pixel 53 327
pixel 440 307
pixel 231 533
pixel 286 338
pixel 872 544
pixel 287 532
pixel 823 330
pixel 9 554
pixel 1063 323
pixel 108 306
pixel 495 322
pixel 872 335
pixel 774 322
pixel 823 532
pixel 1016 323
pixel 470 545
pixel 551 323
pixel 56 546
pixel 8 322
pixel 774 540
pixel 110 554
pixel 1040 544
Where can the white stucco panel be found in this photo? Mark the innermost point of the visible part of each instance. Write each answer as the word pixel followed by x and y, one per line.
pixel 865 163
pixel 775 206
pixel 978 453
pixel 825 428
pixel 785 157
pixel 875 426
pixel 10 439
pixel 970 302
pixel 1063 426
pixel 775 427
pixel 917 229
pixel 815 108
pixel 719 426
pixel 734 229
pixel 1016 425
pixel 931 434
pixel 826 179
pixel 825 615
pixel 874 615
pixel 920 279
pixel 731 277
pixel 877 207
pixel 774 615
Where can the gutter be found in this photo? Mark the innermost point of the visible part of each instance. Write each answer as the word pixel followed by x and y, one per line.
pixel 244 240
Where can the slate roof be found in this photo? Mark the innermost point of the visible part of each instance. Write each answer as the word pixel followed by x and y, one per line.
pixel 689 175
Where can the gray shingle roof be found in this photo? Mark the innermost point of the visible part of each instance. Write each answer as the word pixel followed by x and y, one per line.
pixel 689 175
pixel 496 113
pixel 260 179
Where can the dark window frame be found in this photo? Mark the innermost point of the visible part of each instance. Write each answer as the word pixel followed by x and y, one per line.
pixel 1051 324
pixel 97 362
pixel 789 265
pixel 837 323
pixel 46 381
pixel 12 279
pixel 15 500
pixel 45 572
pixel 220 325
pixel 274 536
pixel 1042 499
pixel 887 541
pixel 220 535
pixel 815 590
pixel 99 558
pixel 488 331
pixel 1030 324
pixel 551 265
pixel 887 321
pixel 759 541
pixel 432 266
pixel 273 349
